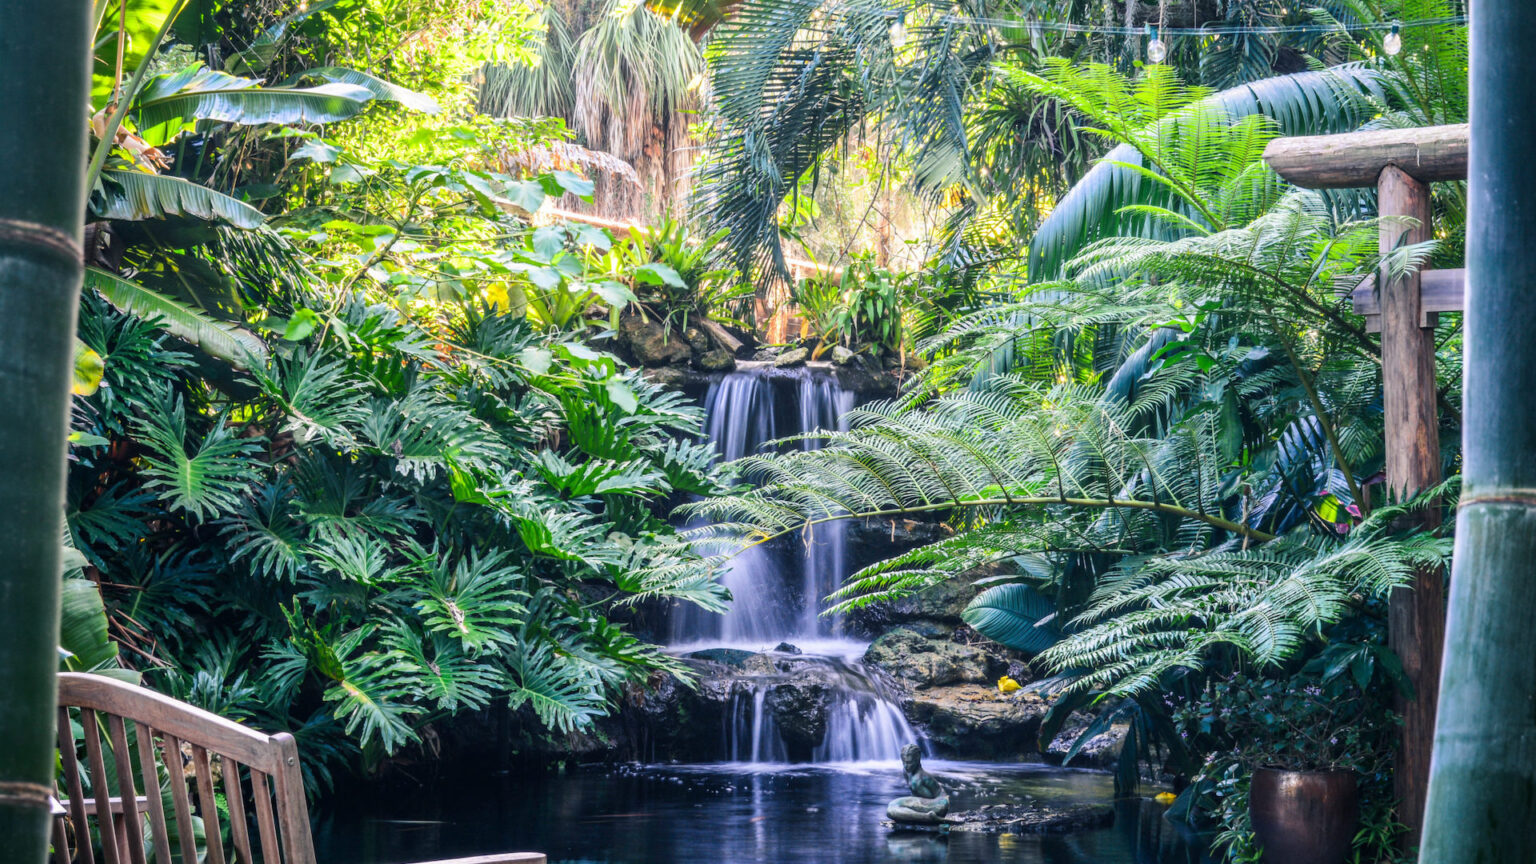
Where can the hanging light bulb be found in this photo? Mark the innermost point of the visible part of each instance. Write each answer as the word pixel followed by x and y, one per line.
pixel 899 31
pixel 1393 44
pixel 1157 51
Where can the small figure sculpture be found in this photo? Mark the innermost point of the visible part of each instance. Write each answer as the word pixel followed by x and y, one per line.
pixel 927 805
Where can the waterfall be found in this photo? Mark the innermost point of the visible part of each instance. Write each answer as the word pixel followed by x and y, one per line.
pixel 778 591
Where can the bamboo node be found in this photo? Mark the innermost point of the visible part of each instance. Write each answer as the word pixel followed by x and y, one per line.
pixel 22 794
pixel 45 238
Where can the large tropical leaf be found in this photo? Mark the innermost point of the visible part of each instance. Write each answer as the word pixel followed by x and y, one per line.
pixel 1306 103
pixel 216 96
pixel 136 196
pixel 1014 615
pixel 218 339
pixel 380 88
pixel 203 475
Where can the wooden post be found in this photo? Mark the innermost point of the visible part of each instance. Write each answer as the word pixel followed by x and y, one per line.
pixel 1416 615
pixel 1401 162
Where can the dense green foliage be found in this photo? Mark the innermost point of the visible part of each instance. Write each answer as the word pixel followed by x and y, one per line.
pixel 1171 436
pixel 333 479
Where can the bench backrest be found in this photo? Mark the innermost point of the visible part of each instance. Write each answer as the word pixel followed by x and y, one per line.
pixel 257 774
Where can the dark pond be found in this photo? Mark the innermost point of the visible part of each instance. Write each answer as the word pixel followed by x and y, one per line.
pixel 736 814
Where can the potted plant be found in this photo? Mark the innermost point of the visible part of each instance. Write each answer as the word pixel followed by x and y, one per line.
pixel 1307 740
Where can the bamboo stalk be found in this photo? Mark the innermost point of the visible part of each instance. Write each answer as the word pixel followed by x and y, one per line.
pixel 1481 805
pixel 43 88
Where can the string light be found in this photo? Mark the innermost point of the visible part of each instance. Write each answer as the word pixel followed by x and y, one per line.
pixel 1393 43
pixel 899 31
pixel 1157 51
pixel 1208 31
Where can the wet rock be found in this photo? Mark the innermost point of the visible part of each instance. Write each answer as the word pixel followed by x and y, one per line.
pixel 724 656
pixel 792 357
pixel 766 354
pixel 920 662
pixel 975 721
pixel 1033 818
pixel 857 377
pixel 718 360
pixel 671 377
pixel 786 648
pixel 841 356
pixel 1100 751
pixel 651 343
pixel 698 340
pixel 800 710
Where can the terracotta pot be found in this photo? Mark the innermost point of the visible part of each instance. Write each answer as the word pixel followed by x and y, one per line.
pixel 1304 816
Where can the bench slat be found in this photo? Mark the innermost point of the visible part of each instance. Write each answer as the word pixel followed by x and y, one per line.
pixel 99 788
pixel 72 784
pixel 128 796
pixel 157 829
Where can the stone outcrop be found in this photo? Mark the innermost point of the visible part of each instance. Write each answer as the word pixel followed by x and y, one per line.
pixel 651 343
pixel 791 358
pixel 920 662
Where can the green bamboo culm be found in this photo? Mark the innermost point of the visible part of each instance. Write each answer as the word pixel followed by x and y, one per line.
pixel 44 97
pixel 1482 795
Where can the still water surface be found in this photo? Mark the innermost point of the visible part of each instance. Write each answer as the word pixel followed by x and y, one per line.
pixel 738 814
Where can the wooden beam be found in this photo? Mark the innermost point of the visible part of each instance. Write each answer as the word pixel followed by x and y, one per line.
pixel 1428 155
pixel 1439 291
pixel 1415 614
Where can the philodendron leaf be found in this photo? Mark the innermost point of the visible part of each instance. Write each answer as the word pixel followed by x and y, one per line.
pixel 1014 615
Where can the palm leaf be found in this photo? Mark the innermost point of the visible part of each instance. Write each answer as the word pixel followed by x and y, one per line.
pixel 219 339
pixel 136 196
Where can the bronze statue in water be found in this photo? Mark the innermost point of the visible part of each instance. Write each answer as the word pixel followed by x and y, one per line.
pixel 927 805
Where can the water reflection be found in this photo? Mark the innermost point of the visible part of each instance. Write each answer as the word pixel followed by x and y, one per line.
pixel 735 815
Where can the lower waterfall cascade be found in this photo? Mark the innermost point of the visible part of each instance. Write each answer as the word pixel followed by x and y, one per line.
pixel 777 593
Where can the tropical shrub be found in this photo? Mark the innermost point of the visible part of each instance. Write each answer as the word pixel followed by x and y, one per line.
pixel 331 481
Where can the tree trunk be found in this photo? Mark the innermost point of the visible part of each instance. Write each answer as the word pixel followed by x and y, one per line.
pixel 44 93
pixel 1481 801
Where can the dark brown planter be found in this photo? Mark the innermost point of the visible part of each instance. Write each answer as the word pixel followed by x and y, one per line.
pixel 1304 816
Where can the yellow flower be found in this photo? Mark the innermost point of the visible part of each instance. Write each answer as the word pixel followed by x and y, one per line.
pixel 1006 685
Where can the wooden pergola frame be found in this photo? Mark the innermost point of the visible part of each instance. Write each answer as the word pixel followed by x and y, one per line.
pixel 1401 163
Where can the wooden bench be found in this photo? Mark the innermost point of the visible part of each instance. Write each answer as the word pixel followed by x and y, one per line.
pixel 257 774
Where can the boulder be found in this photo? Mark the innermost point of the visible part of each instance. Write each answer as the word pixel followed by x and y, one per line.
pixel 651 343
pixel 800 710
pixel 698 340
pixel 671 377
pixel 841 356
pixel 724 656
pixel 766 354
pixel 975 721
pixel 718 360
pixel 920 662
pixel 1100 751
pixel 792 357
pixel 786 648
pixel 855 377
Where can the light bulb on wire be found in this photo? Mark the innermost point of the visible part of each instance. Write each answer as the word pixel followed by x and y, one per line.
pixel 1393 43
pixel 899 31
pixel 1157 50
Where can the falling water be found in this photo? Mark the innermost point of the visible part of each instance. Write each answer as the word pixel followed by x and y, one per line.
pixel 778 592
